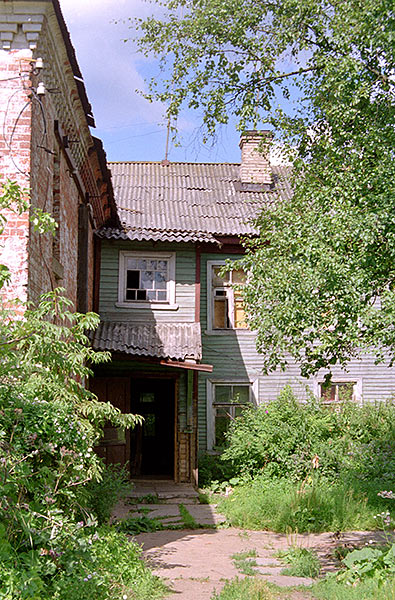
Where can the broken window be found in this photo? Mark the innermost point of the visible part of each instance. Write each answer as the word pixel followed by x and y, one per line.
pixel 146 278
pixel 227 301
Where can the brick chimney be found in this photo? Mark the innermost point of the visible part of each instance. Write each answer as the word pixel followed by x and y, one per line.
pixel 255 162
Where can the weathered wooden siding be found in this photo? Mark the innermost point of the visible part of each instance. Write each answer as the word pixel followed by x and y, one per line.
pixel 234 357
pixel 185 284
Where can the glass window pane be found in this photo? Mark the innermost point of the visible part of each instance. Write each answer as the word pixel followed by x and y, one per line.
pixel 328 392
pixel 223 393
pixel 151 295
pixel 147 280
pixel 221 318
pixel 162 296
pixel 241 393
pixel 131 263
pixel 130 294
pixel 222 423
pixel 149 425
pixel 152 264
pixel 142 263
pixel 345 391
pixel 147 397
pixel 238 276
pixel 160 281
pixel 217 279
pixel 141 295
pixel 162 265
pixel 133 279
pixel 239 314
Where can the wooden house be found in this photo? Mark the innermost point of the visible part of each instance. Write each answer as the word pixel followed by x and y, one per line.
pixel 182 354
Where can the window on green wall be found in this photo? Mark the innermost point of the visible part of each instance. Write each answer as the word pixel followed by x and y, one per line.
pixel 146 278
pixel 226 307
pixel 229 401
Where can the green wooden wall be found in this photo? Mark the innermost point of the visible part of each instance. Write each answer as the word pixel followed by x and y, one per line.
pixel 185 283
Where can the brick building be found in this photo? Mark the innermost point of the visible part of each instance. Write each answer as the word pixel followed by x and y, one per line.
pixel 47 147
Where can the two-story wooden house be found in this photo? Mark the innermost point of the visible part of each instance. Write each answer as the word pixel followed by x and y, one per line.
pixel 182 354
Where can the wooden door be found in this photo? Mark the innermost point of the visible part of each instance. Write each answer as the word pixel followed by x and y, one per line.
pixel 152 443
pixel 114 446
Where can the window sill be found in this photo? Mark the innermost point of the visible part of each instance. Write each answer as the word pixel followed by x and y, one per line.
pixel 146 305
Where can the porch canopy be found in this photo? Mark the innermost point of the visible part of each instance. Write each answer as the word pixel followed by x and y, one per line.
pixel 174 344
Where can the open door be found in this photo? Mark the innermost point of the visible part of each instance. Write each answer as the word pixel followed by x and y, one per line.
pixel 152 443
pixel 114 447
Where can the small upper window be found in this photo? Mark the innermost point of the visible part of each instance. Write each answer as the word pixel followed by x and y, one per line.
pixel 226 299
pixel 146 278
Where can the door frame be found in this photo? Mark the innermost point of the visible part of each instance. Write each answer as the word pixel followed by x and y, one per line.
pixel 174 377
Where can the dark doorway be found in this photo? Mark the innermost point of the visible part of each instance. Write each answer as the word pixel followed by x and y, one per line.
pixel 152 443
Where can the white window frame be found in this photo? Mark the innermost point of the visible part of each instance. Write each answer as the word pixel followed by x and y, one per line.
pixel 210 394
pixel 210 304
pixel 170 304
pixel 357 389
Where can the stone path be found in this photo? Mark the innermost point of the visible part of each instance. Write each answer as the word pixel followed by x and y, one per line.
pixel 195 562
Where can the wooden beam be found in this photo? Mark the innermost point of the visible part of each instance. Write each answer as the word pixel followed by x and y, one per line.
pixel 185 365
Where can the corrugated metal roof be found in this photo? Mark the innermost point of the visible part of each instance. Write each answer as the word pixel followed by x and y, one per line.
pixel 177 341
pixel 187 201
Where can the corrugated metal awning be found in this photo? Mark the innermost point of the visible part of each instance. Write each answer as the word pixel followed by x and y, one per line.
pixel 178 341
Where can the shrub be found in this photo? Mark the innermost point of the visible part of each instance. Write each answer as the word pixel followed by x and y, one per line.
pixel 102 494
pixel 282 438
pixel 213 467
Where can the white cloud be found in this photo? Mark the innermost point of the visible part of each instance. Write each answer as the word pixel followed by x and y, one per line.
pixel 111 69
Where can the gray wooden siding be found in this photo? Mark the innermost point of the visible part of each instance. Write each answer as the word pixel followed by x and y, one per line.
pixel 234 357
pixel 185 284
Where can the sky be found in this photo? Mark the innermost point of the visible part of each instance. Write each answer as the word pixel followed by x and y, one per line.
pixel 131 128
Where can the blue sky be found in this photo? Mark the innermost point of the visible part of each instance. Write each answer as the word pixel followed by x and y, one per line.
pixel 130 127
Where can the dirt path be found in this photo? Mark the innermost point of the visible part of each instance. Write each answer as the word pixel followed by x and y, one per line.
pixel 196 562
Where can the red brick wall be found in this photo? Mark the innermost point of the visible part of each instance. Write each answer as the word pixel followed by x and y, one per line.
pixel 15 115
pixel 59 176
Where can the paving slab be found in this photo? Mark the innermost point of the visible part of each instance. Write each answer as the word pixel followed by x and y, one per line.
pixel 205 514
pixel 196 562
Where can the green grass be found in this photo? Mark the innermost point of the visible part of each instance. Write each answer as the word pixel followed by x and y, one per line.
pixel 244 562
pixel 280 505
pixel 245 589
pixel 330 589
pixel 303 562
pixel 135 525
pixel 188 520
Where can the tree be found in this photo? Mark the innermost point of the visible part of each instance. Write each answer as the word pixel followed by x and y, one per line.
pixel 321 272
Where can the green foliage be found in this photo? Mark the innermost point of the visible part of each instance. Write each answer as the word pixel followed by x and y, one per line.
pixel 188 520
pixel 303 562
pixel 369 589
pixel 245 589
pixel 49 425
pixel 135 525
pixel 378 563
pixel 101 495
pixel 313 506
pixel 312 292
pixel 213 468
pixel 245 562
pixel 282 438
pixel 100 564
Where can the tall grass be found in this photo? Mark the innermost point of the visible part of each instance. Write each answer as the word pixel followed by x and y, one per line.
pixel 320 505
pixel 245 589
pixel 370 589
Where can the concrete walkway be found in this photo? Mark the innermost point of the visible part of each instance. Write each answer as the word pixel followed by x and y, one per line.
pixel 196 562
